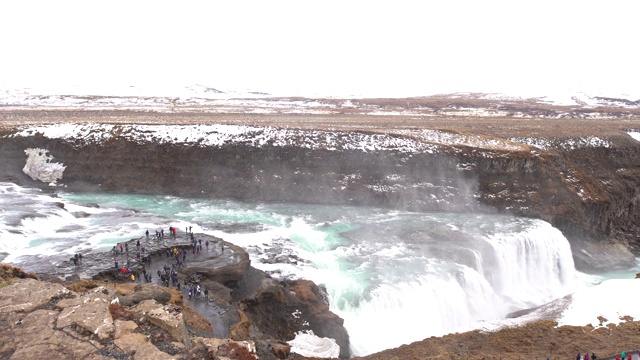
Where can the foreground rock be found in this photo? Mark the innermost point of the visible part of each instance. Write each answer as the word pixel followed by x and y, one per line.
pixel 537 340
pixel 244 304
pixel 62 324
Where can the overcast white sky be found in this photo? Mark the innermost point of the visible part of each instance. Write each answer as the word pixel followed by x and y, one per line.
pixel 390 48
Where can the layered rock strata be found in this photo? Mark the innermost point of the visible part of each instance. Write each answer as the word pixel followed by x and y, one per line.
pixel 586 189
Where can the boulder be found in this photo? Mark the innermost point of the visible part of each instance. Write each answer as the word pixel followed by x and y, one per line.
pixel 36 337
pixel 225 348
pixel 144 307
pixel 88 313
pixel 130 342
pixel 280 350
pixel 166 317
pixel 28 294
pixel 123 328
pixel 148 351
pixel 145 293
pixel 170 319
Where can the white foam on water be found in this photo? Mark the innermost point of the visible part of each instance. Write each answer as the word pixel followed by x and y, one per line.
pixel 380 282
pixel 35 223
pixel 389 286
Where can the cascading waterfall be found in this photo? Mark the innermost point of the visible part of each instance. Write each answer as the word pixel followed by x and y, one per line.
pixel 402 292
pixel 533 264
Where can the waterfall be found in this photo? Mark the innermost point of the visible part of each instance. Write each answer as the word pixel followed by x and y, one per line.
pixel 516 264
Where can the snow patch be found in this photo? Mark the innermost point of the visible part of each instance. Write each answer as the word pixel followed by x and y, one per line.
pixel 568 144
pixel 460 139
pixel 587 305
pixel 310 345
pixel 39 166
pixel 635 135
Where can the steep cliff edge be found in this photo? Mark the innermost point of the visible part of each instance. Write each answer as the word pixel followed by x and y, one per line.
pixel 586 189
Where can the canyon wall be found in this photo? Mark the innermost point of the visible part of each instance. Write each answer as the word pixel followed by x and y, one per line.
pixel 590 193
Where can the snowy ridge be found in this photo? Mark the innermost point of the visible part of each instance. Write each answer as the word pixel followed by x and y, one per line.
pixel 458 139
pixel 219 135
pixel 422 141
pixel 407 141
pixel 566 144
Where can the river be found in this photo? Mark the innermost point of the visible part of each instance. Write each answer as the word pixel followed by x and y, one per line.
pixel 393 276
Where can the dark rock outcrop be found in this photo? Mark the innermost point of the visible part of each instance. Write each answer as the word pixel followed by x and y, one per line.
pixel 220 269
pixel 281 309
pixel 145 293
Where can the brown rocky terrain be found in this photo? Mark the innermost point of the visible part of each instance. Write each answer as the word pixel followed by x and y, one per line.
pixel 538 340
pixel 588 192
pixel 85 321
pixel 112 317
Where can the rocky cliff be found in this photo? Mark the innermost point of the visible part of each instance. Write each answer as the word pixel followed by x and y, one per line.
pixel 113 317
pixel 86 321
pixel 587 186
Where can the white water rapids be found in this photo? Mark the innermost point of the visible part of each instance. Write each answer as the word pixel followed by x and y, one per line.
pixel 393 276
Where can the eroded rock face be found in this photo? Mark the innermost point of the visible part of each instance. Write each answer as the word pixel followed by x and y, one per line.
pixel 283 309
pixel 166 317
pixel 35 336
pixel 281 351
pixel 588 192
pixel 88 313
pixel 323 322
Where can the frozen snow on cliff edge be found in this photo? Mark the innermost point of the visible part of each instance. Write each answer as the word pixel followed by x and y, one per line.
pixel 40 167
